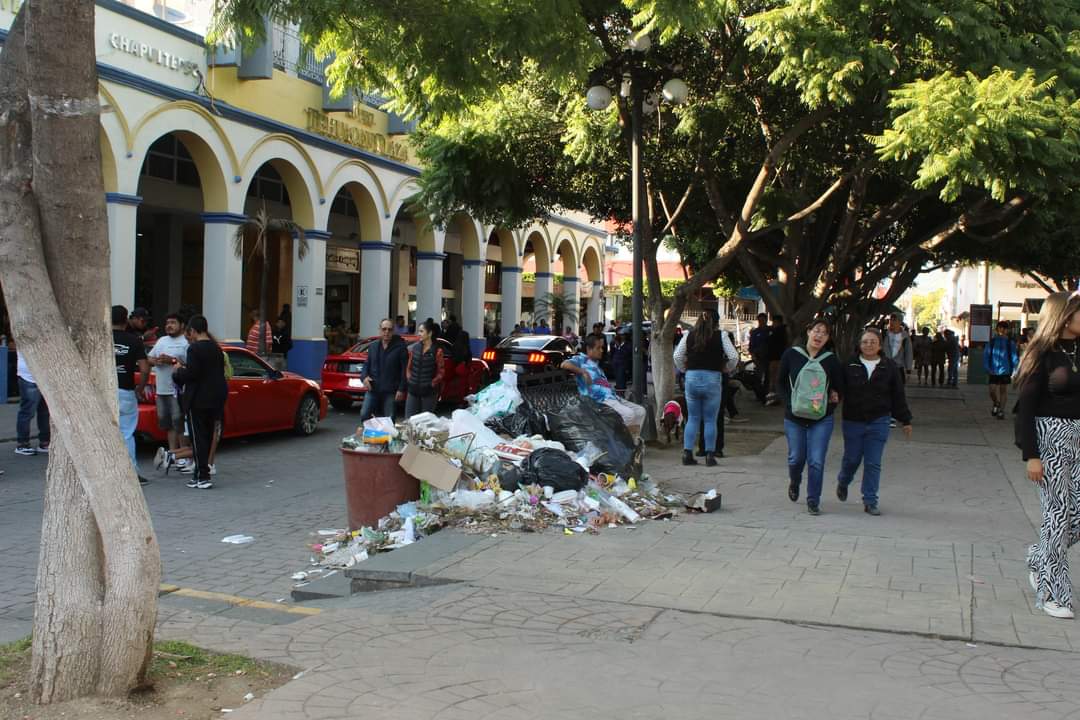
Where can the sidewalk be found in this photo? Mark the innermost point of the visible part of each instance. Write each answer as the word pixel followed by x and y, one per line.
pixel 923 612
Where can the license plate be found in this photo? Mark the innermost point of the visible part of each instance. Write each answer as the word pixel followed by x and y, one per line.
pixel 356 383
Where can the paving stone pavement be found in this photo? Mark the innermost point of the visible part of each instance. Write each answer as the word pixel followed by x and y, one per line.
pixel 760 608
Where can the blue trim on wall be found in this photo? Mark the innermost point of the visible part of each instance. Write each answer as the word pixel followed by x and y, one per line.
pixel 541 275
pixel 224 218
pixel 430 256
pixel 122 199
pixel 571 279
pixel 473 263
pixel 318 234
pixel 372 245
pixel 511 269
pixel 306 358
pixel 230 112
pixel 598 283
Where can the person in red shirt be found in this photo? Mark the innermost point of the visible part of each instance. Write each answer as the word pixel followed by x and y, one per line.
pixel 253 333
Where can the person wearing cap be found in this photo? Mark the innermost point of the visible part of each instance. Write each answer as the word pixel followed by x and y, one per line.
pixel 139 324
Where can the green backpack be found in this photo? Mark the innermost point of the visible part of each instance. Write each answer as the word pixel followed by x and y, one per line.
pixel 810 390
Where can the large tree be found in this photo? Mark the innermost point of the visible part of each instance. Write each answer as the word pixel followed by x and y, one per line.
pixel 99 565
pixel 828 146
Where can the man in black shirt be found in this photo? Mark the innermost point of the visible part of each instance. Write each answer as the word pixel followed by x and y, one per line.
pixel 130 355
pixel 205 393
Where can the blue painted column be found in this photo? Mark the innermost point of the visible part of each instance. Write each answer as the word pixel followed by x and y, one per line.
pixel 544 284
pixel 429 273
pixel 374 285
pixel 309 306
pixel 511 299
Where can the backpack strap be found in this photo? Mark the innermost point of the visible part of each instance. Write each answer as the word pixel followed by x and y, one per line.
pixel 801 351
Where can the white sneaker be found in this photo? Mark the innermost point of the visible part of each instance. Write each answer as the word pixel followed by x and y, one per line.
pixel 206 485
pixel 159 458
pixel 1052 609
pixel 1033 581
pixel 187 468
pixel 213 469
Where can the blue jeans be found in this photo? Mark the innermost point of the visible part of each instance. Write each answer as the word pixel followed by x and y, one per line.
pixel 808 446
pixel 129 419
pixel 377 404
pixel 954 370
pixel 30 402
pixel 704 392
pixel 864 442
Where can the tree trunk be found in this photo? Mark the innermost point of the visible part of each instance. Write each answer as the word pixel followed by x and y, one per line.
pixel 99 565
pixel 264 293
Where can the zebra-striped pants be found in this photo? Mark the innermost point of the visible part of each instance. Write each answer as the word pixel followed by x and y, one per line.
pixel 1059 447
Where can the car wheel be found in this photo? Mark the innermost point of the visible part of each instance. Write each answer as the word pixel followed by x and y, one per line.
pixel 307 415
pixel 340 403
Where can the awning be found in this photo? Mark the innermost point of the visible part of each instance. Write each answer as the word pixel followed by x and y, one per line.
pixel 1032 306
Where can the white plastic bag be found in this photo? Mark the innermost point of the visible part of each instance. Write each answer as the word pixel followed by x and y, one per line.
pixel 381 424
pixel 498 399
pixel 473 499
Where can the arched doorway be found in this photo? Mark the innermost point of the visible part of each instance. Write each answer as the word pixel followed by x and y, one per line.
pixel 566 250
pixel 169 227
pixel 592 271
pixel 353 219
pixel 535 259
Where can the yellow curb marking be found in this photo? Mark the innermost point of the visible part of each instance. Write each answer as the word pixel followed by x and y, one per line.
pixel 237 601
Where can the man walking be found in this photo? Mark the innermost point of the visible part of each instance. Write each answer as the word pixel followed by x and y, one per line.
pixel 384 374
pixel 130 356
pixel 166 350
pixel 952 350
pixel 31 402
pixel 1000 359
pixel 205 392
pixel 898 346
pixel 759 350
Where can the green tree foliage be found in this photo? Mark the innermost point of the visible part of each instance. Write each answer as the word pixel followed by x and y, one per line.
pixel 927 309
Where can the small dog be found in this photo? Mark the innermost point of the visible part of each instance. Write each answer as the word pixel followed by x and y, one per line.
pixel 673 419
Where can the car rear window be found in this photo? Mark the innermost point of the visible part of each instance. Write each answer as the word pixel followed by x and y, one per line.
pixel 361 346
pixel 536 342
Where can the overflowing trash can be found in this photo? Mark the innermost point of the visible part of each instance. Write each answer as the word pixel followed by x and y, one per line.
pixel 375 484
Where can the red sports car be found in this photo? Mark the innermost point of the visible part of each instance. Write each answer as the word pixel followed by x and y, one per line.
pixel 261 399
pixel 341 375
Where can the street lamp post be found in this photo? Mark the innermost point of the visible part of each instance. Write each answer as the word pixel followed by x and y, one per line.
pixel 598 98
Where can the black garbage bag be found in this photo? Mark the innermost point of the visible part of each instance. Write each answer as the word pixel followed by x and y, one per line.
pixel 548 466
pixel 524 421
pixel 579 421
pixel 510 477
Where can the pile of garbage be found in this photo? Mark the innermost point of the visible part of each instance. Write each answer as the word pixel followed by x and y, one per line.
pixel 516 465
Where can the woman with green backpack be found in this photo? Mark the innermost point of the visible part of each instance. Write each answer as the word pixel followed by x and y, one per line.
pixel 810 383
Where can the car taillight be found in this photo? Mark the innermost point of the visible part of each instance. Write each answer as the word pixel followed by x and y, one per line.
pixel 537 358
pixel 488 355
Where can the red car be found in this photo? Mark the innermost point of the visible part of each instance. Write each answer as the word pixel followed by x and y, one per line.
pixel 261 399
pixel 341 375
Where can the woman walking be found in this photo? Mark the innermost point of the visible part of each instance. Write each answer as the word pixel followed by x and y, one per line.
pixel 1048 433
pixel 873 395
pixel 705 353
pixel 810 383
pixel 424 372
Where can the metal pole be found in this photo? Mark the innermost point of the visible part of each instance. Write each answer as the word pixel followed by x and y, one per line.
pixel 637 296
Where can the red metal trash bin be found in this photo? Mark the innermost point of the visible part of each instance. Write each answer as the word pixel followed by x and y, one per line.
pixel 375 485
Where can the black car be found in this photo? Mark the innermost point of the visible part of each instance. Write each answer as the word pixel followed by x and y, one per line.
pixel 528 353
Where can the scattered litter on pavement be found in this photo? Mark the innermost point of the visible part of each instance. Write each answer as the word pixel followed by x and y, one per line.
pixel 971 645
pixel 249 697
pixel 238 539
pixel 976 580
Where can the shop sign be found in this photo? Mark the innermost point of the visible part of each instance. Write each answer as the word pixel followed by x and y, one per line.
pixel 345 260
pixel 148 52
pixel 320 122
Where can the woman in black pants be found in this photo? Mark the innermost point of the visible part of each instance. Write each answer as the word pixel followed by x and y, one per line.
pixel 205 392
pixel 424 372
pixel 1048 433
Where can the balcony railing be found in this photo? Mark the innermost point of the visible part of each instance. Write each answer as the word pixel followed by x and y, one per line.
pixel 290 55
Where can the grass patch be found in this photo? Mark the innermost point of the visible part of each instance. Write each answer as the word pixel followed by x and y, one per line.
pixel 177 659
pixel 12 656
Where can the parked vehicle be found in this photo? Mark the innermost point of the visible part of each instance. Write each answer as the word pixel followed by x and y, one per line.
pixel 528 353
pixel 261 400
pixel 342 385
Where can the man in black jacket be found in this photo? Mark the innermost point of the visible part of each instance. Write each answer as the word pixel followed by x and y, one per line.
pixel 384 373
pixel 205 392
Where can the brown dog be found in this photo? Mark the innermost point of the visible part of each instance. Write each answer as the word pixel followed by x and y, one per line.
pixel 673 419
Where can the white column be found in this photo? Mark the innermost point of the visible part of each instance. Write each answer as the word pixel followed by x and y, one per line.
pixel 122 210
pixel 309 305
pixel 429 286
pixel 374 285
pixel 596 304
pixel 572 295
pixel 542 288
pixel 511 298
pixel 223 276
pixel 472 298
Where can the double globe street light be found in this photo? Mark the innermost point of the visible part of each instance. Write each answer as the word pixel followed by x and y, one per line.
pixel 638 85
